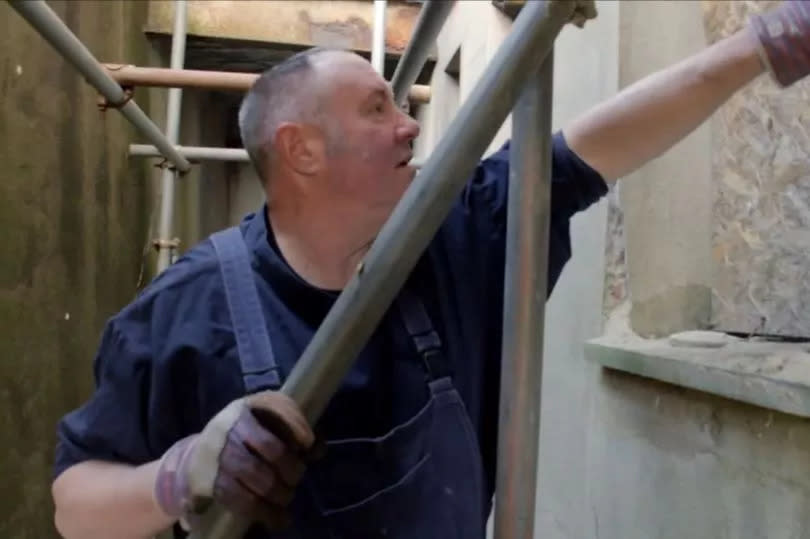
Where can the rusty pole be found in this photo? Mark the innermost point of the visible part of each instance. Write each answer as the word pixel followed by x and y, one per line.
pixel 132 76
pixel 525 295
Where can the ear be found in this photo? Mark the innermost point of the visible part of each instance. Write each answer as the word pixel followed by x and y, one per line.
pixel 300 148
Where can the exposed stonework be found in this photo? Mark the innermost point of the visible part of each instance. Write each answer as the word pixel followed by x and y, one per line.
pixel 615 264
pixel 761 214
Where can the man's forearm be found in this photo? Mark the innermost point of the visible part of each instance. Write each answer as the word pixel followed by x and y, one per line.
pixel 649 117
pixel 103 500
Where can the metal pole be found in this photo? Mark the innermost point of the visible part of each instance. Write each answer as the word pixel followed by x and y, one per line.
pixel 164 244
pixel 424 206
pixel 205 153
pixel 131 75
pixel 525 294
pixel 193 153
pixel 428 25
pixel 40 16
pixel 414 222
pixel 378 37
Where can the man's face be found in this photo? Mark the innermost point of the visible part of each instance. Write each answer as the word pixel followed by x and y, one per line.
pixel 370 137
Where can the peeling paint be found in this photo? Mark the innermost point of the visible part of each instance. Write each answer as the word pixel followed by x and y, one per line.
pixel 348 34
pixel 346 24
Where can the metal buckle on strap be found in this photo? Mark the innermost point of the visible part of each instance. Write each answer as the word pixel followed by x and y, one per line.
pixel 435 364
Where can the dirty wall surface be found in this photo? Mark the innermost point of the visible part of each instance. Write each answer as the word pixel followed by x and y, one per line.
pixel 621 456
pixel 73 225
pixel 761 171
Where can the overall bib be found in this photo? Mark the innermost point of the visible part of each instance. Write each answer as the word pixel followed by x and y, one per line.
pixel 422 479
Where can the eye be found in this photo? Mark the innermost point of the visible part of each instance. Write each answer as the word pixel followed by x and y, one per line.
pixel 379 107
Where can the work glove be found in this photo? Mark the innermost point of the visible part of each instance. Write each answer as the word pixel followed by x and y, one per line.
pixel 584 11
pixel 784 39
pixel 248 458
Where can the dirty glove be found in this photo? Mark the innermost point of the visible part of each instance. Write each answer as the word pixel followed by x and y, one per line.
pixel 584 11
pixel 249 459
pixel 784 38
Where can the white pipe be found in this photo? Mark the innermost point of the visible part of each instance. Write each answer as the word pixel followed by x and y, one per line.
pixel 206 153
pixel 193 153
pixel 378 37
pixel 173 107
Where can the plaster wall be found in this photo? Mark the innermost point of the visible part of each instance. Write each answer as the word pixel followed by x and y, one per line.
pixel 73 225
pixel 642 459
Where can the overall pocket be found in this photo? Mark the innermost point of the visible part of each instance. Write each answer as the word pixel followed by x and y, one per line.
pixel 354 470
pixel 400 511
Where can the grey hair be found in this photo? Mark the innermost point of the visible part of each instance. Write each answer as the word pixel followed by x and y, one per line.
pixel 274 98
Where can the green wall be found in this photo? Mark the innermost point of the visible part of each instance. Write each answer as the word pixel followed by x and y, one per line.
pixel 73 224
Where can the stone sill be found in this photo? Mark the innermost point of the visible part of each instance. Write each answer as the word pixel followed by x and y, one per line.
pixel 774 375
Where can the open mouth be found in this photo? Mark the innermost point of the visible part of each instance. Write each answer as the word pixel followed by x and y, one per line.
pixel 404 162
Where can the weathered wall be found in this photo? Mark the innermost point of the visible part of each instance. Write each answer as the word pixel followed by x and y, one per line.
pixel 666 203
pixel 761 168
pixel 239 35
pixel 72 230
pixel 660 461
pixel 622 457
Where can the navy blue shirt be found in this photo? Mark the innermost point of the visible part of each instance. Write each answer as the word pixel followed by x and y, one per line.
pixel 167 362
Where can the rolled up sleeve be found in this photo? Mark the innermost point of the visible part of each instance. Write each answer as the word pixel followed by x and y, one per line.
pixel 575 186
pixel 112 425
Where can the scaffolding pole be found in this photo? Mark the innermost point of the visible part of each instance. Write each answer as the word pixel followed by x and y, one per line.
pixel 165 245
pixel 525 293
pixel 194 153
pixel 378 38
pixel 42 18
pixel 413 223
pixel 206 153
pixel 431 19
pixel 132 76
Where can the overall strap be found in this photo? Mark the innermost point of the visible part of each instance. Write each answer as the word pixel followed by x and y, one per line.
pixel 259 369
pixel 426 340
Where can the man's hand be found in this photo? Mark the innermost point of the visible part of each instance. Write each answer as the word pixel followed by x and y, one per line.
pixel 584 11
pixel 249 459
pixel 784 37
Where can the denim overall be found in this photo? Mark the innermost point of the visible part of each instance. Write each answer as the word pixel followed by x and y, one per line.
pixel 421 480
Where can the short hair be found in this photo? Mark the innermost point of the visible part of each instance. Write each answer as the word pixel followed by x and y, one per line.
pixel 274 98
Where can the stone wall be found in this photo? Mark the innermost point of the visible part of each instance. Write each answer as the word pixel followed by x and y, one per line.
pixel 622 456
pixel 73 226
pixel 761 210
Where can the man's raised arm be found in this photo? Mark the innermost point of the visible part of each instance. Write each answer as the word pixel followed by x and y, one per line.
pixel 649 117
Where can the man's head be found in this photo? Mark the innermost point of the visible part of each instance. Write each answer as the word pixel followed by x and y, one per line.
pixel 323 125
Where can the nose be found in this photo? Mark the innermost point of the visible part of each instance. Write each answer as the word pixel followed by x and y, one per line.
pixel 407 129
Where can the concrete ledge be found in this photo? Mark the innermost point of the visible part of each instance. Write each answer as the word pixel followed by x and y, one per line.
pixel 773 375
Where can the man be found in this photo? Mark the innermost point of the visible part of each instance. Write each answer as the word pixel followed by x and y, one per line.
pixel 410 437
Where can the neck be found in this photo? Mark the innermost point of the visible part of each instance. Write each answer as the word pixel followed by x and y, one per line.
pixel 323 244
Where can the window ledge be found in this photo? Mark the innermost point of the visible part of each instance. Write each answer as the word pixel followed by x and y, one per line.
pixel 773 375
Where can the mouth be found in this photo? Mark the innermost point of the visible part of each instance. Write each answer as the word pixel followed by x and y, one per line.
pixel 404 162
